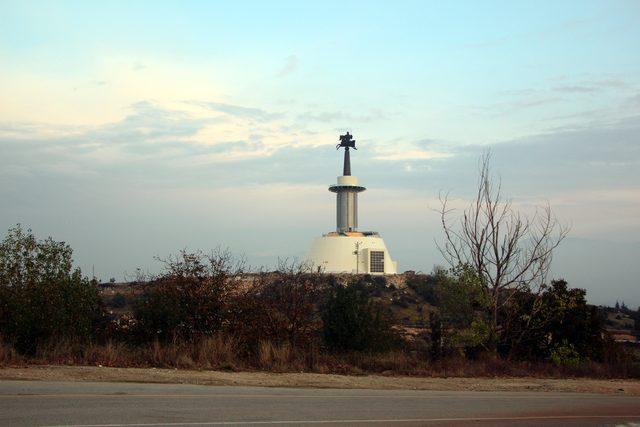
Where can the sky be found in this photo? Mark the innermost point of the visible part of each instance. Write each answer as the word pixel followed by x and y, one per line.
pixel 132 130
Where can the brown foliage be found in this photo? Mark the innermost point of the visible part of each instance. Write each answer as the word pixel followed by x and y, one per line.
pixel 278 308
pixel 190 299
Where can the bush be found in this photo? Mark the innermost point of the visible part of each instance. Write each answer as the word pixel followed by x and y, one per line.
pixel 463 304
pixel 436 344
pixel 557 317
pixel 41 297
pixel 189 300
pixel 279 308
pixel 118 301
pixel 566 356
pixel 425 285
pixel 352 322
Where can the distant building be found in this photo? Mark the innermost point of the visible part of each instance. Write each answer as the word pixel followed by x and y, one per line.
pixel 348 250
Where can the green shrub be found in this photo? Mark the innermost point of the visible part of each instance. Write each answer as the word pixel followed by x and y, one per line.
pixel 351 321
pixel 41 297
pixel 559 315
pixel 566 356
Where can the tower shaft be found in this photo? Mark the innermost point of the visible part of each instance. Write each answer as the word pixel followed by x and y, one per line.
pixel 347 211
pixel 346 190
pixel 346 169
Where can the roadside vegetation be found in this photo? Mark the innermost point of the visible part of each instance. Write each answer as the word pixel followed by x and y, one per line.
pixel 204 312
pixel 493 312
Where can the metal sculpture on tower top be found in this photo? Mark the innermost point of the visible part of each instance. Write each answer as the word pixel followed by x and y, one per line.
pixel 347 142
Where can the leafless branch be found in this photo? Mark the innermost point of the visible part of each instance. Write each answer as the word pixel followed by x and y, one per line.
pixel 507 249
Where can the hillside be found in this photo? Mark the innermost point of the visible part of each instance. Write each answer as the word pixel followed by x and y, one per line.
pixel 409 297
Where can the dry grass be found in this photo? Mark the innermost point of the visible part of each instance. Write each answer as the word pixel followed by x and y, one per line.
pixel 9 356
pixel 216 352
pixel 221 352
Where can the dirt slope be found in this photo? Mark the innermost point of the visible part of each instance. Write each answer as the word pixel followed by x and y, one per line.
pixel 91 373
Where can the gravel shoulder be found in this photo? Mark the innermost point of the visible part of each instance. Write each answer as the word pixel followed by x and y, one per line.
pixel 310 380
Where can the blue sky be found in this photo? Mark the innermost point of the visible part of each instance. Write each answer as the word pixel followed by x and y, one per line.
pixel 135 129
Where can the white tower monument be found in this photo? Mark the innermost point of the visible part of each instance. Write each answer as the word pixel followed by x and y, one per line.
pixel 348 250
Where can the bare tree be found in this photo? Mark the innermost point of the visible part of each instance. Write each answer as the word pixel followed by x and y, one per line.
pixel 510 252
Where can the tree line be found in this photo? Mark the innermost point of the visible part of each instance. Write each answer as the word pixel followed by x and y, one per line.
pixel 291 315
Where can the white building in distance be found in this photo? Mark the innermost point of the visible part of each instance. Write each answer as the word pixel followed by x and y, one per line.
pixel 348 250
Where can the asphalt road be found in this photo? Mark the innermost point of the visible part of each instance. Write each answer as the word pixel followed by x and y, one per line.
pixel 126 404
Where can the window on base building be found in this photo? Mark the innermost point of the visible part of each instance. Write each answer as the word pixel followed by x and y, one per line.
pixel 376 262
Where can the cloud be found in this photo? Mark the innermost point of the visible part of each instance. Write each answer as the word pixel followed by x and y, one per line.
pixel 239 111
pixel 591 86
pixel 411 155
pixel 398 150
pixel 612 143
pixel 153 138
pixel 576 89
pixel 313 116
pixel 518 105
pixel 611 83
pixel 633 101
pixel 150 134
pixel 201 148
pixel 564 101
pixel 291 65
pixel 149 123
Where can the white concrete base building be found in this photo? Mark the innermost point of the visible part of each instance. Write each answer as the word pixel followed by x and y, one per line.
pixel 356 253
pixel 348 250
